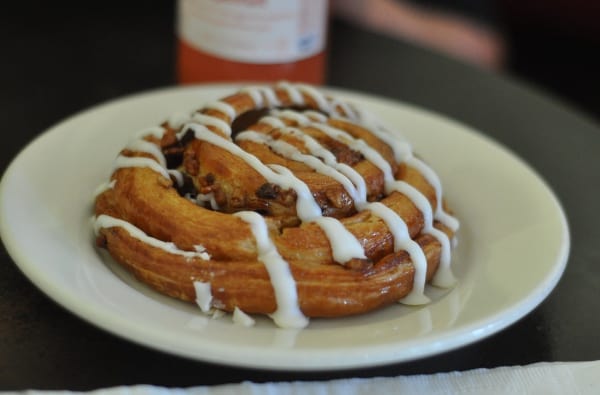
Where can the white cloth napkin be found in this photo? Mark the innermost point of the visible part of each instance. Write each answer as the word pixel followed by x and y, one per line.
pixel 541 378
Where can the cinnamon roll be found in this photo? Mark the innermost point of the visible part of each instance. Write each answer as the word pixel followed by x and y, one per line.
pixel 277 200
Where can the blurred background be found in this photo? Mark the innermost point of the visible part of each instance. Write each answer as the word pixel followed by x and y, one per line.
pixel 549 44
pixel 553 44
pixel 58 58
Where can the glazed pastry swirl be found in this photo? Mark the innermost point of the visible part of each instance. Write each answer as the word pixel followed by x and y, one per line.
pixel 277 200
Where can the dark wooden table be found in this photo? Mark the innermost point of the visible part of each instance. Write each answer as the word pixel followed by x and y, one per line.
pixel 55 64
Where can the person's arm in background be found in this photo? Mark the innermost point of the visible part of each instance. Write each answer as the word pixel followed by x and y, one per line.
pixel 455 35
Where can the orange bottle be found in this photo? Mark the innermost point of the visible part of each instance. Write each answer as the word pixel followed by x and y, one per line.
pixel 251 40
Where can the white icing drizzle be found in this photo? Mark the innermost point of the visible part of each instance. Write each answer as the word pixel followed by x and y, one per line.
pixel 202 198
pixel 147 147
pixel 200 248
pixel 272 121
pixel 288 314
pixel 292 92
pixel 299 118
pixel 295 92
pixel 347 110
pixel 255 94
pixel 402 241
pixel 306 207
pixel 359 145
pixel 177 175
pixel 367 119
pixel 262 96
pixel 401 148
pixel 317 97
pixel 223 107
pixel 344 245
pixel 315 116
pixel 289 151
pixel 126 161
pixel 403 153
pixel 433 179
pixel 156 131
pixel 358 191
pixel 203 295
pixel 208 120
pixel 241 318
pixel 443 276
pixel 178 119
pixel 104 187
pixel 106 221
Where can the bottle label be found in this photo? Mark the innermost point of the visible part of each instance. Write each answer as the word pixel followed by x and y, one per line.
pixel 254 31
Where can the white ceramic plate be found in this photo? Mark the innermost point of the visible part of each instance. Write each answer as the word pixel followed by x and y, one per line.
pixel 513 245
